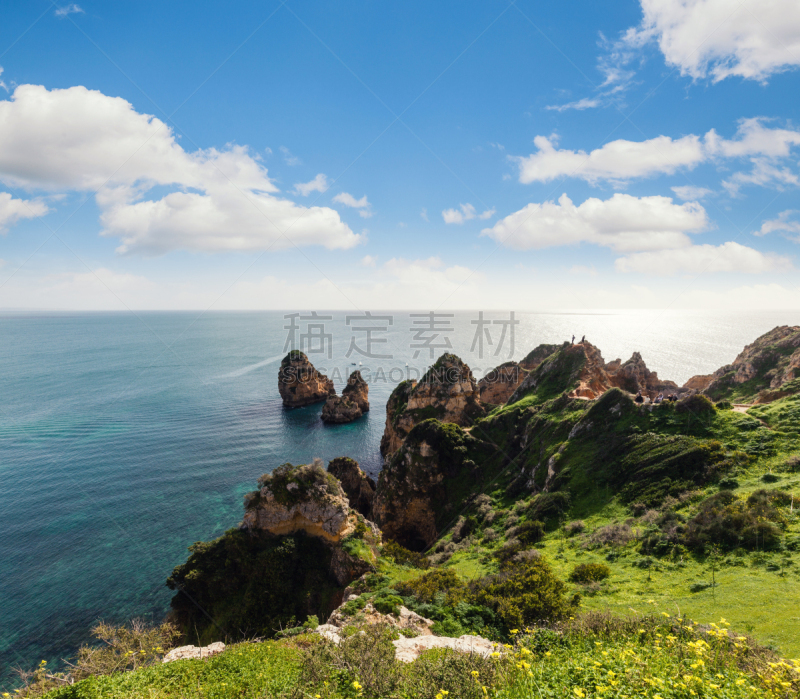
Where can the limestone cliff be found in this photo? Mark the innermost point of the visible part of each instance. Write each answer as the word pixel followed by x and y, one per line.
pixel 579 370
pixel 500 383
pixel 299 383
pixel 447 392
pixel 358 486
pixel 761 369
pixel 351 405
pixel 536 356
pixel 426 481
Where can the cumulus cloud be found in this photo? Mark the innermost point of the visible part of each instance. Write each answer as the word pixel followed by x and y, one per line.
pixel 82 140
pixel 318 184
pixel 701 259
pixel 2 84
pixel 71 9
pixel 622 160
pixel 465 212
pixel 13 210
pixel 782 224
pixel 363 206
pixel 623 223
pixel 691 193
pixel 369 260
pixel 720 39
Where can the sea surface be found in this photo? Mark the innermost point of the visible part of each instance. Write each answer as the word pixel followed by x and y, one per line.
pixel 124 438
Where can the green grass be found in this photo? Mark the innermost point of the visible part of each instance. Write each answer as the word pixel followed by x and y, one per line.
pixel 243 671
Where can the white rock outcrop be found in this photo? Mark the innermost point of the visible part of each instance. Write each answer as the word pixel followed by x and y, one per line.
pixel 409 649
pixel 194 652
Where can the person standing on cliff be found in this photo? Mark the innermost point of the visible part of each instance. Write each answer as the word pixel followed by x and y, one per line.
pixel 583 339
pixel 573 340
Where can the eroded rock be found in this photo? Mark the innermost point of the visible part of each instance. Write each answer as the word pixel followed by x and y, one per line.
pixel 351 405
pixel 500 383
pixel 448 392
pixel 299 383
pixel 409 649
pixel 358 486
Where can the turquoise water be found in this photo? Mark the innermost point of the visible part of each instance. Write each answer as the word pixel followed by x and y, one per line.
pixel 124 438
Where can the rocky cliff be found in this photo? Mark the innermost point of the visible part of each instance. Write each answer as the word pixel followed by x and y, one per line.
pixel 299 383
pixel 500 383
pixel 358 486
pixel 447 392
pixel 351 405
pixel 298 545
pixel 761 369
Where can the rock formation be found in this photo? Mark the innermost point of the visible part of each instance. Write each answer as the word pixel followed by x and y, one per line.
pixel 194 652
pixel 351 405
pixel 580 370
pixel 447 392
pixel 299 498
pixel 762 367
pixel 536 356
pixel 699 382
pixel 358 486
pixel 425 481
pixel 500 383
pixel 299 383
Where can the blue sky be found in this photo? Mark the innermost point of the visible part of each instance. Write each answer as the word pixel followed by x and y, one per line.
pixel 495 154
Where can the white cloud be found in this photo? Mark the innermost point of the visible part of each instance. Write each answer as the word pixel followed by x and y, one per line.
pixel 622 160
pixel 288 158
pixel 365 210
pixel 70 9
pixel 424 214
pixel 318 184
pixel 369 260
pixel 720 38
pixel 12 210
pixel 82 140
pixel 764 173
pixel 701 259
pixel 2 84
pixel 781 224
pixel 617 160
pixel 623 223
pixel 691 193
pixel 466 212
pixel 580 105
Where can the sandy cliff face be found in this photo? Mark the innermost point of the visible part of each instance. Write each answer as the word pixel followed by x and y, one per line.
pixel 351 405
pixel 299 383
pixel 448 392
pixel 500 383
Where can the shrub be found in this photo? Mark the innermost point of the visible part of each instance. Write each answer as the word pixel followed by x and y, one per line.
pixel 728 521
pixel 574 527
pixel 723 405
pixel 792 464
pixel 292 484
pixel 528 533
pixel 697 404
pixel 387 603
pixel 490 535
pixel 770 478
pixel 728 484
pixel 617 534
pixel 549 507
pixel 524 594
pixel 438 582
pixel 403 556
pixel 589 572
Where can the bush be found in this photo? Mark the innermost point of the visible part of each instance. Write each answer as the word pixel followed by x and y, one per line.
pixel 528 533
pixel 402 556
pixel 729 522
pixel 574 527
pixel 728 484
pixel 438 582
pixel 524 594
pixel 723 405
pixel 124 648
pixel 589 572
pixel 549 508
pixel 770 478
pixel 617 534
pixel 387 603
pixel 697 404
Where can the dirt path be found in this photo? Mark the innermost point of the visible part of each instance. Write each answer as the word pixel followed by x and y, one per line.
pixel 741 407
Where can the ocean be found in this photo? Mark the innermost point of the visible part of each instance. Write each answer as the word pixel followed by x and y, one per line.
pixel 124 438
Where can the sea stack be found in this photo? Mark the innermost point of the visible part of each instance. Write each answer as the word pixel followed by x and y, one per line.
pixel 351 405
pixel 299 383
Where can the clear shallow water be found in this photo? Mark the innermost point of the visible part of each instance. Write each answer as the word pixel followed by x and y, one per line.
pixel 124 439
